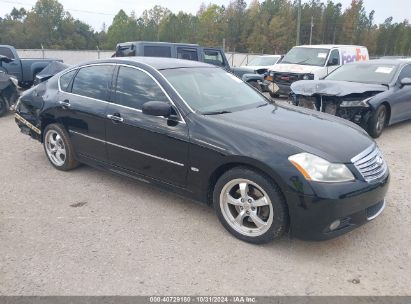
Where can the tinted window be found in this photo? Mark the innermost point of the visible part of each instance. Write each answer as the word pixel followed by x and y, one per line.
pixel 157 51
pixel 187 54
pixel 334 58
pixel 134 88
pixel 93 81
pixel 125 51
pixel 6 52
pixel 65 80
pixel 405 72
pixel 213 57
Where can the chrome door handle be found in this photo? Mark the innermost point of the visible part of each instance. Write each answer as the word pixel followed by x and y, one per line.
pixel 64 103
pixel 115 118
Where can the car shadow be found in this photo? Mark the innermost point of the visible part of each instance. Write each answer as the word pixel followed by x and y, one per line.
pixel 200 212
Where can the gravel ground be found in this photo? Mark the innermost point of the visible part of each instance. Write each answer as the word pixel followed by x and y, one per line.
pixel 88 232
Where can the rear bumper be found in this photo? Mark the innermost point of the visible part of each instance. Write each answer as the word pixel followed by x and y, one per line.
pixel 312 216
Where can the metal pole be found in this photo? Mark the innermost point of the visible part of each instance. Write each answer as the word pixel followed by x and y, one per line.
pixel 311 32
pixel 224 45
pixel 298 23
pixel 42 50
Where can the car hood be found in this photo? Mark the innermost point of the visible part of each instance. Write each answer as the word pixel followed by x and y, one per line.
pixel 334 88
pixel 295 68
pixel 327 136
pixel 256 67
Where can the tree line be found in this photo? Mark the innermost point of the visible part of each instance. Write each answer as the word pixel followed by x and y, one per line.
pixel 268 26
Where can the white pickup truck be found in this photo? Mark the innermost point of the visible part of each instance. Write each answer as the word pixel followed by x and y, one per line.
pixel 311 62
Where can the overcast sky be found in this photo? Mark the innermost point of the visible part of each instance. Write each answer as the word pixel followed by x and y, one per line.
pixel 95 12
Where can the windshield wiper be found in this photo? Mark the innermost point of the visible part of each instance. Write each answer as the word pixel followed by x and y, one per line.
pixel 216 112
pixel 295 62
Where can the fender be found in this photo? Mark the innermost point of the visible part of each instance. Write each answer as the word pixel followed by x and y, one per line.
pixel 253 77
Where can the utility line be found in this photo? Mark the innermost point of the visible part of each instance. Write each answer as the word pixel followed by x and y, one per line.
pixel 66 9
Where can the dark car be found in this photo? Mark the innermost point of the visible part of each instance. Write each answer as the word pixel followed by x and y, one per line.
pixel 266 168
pixel 23 69
pixel 373 94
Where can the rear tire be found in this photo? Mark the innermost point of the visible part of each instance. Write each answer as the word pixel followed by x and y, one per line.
pixel 274 95
pixel 378 121
pixel 58 148
pixel 250 206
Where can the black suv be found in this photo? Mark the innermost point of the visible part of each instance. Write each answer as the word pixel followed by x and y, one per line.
pixel 193 52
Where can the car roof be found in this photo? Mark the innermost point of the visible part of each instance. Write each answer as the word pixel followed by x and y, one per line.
pixel 396 62
pixel 158 63
pixel 267 56
pixel 155 43
pixel 330 46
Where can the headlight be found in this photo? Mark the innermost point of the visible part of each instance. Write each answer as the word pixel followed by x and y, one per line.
pixel 355 103
pixel 14 80
pixel 315 168
pixel 308 77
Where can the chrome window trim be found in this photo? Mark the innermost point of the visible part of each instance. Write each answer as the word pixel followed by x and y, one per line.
pixel 181 118
pixel 210 145
pixel 174 89
pixel 129 149
pixel 161 87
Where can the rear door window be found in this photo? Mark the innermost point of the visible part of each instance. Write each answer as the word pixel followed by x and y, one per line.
pixel 157 51
pixel 135 87
pixel 187 53
pixel 65 80
pixel 214 57
pixel 93 81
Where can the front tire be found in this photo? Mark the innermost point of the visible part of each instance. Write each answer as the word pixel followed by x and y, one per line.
pixel 378 121
pixel 250 206
pixel 3 106
pixel 58 148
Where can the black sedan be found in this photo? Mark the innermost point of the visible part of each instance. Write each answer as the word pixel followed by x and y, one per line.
pixel 201 132
pixel 373 94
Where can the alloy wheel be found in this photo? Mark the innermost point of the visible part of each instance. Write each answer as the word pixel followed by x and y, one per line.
pixel 246 207
pixel 55 148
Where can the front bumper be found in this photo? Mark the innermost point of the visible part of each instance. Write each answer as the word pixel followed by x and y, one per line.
pixel 284 89
pixel 353 205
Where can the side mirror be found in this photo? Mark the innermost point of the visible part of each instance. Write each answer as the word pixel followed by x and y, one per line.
pixel 157 108
pixel 333 62
pixel 405 81
pixel 5 59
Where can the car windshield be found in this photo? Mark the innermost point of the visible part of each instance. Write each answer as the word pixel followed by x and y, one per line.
pixel 213 90
pixel 364 73
pixel 306 56
pixel 263 61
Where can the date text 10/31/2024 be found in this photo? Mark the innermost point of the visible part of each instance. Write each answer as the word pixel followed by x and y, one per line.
pixel 202 299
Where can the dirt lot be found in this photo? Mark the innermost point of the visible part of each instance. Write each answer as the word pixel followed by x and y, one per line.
pixel 88 232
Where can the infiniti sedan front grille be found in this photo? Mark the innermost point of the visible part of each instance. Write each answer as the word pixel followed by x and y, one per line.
pixel 370 164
